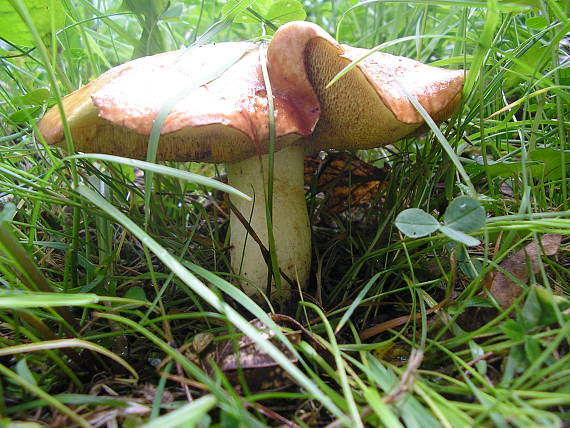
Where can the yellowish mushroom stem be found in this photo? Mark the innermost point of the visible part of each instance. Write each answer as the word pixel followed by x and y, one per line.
pixel 291 229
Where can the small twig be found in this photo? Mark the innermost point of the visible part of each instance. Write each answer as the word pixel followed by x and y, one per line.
pixel 272 414
pixel 481 358
pixel 367 411
pixel 475 361
pixel 382 327
pixel 185 380
pixel 408 378
pixel 180 373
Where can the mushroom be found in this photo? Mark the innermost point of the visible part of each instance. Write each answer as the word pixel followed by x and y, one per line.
pixel 226 120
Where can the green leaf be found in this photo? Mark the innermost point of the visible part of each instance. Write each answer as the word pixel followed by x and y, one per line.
pixel 147 8
pixel 136 293
pixel 551 159
pixel 464 214
pixel 278 12
pixel 531 310
pixel 283 11
pixel 15 30
pixel 7 213
pixel 548 301
pixel 543 161
pixel 504 168
pixel 532 348
pixel 516 363
pixel 174 12
pixel 459 236
pixel 513 330
pixel 33 98
pixel 478 302
pixel 529 64
pixel 416 223
pixel 24 371
pixel 471 267
pixel 536 22
pixel 24 115
pixel 148 14
pixel 260 7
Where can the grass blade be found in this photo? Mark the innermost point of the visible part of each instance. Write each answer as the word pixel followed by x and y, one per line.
pixel 186 416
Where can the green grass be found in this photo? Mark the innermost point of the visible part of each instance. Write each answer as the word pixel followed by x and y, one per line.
pixel 105 284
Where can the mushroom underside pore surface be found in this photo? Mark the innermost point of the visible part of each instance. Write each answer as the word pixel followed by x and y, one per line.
pixel 227 120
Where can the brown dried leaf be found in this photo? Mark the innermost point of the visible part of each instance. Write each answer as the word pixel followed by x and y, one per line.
pixel 344 179
pixel 504 289
pixel 201 342
pixel 258 369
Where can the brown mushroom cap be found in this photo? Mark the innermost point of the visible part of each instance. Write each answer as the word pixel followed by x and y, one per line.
pixel 226 120
pixel 366 107
pixel 216 122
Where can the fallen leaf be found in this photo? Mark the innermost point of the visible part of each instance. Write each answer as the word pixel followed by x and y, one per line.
pixel 344 179
pixel 504 289
pixel 260 371
pixel 241 359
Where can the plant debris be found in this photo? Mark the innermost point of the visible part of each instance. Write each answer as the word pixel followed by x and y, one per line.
pixel 505 283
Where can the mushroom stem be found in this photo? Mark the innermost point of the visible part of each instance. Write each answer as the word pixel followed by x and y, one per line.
pixel 291 229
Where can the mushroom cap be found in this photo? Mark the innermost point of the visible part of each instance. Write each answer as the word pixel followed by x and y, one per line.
pixel 366 107
pixel 223 120
pixel 226 119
